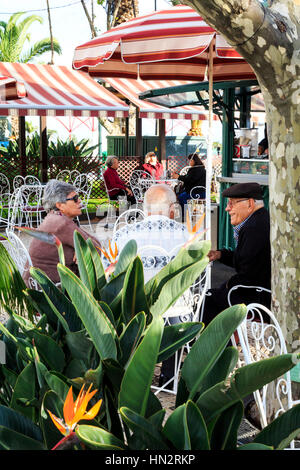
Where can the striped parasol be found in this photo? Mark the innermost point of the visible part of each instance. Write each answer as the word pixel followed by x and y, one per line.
pixel 177 40
pixel 11 89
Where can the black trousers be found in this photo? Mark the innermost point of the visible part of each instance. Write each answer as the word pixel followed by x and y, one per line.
pixel 216 301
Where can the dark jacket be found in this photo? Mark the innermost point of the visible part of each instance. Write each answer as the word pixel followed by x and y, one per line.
pixel 196 176
pixel 252 256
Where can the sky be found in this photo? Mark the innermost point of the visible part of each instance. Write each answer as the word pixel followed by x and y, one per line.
pixel 69 23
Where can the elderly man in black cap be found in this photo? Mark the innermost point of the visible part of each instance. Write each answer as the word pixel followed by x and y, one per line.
pixel 252 256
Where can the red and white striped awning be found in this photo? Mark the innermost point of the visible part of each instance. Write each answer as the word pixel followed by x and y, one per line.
pixel 11 89
pixel 54 90
pixel 131 89
pixel 166 44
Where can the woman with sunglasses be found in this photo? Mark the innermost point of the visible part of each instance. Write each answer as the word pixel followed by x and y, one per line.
pixel 63 205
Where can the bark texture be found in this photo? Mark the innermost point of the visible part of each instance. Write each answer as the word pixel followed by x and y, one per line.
pixel 268 37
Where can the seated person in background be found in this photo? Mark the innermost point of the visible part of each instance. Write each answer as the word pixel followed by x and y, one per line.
pixel 263 147
pixel 195 176
pixel 159 227
pixel 252 256
pixel 153 166
pixel 115 186
pixel 62 204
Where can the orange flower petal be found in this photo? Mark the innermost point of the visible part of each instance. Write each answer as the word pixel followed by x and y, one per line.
pixel 58 423
pixel 69 407
pixel 93 411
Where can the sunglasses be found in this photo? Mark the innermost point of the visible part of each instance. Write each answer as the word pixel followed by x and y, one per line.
pixel 74 198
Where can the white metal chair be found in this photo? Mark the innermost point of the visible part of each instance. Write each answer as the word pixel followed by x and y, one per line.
pixel 140 181
pixel 18 181
pixel 4 184
pixel 261 339
pixel 128 217
pixel 26 203
pixel 31 180
pixel 19 255
pixel 84 188
pixel 63 175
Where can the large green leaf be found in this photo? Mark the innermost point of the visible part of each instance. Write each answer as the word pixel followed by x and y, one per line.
pixel 85 263
pixel 133 294
pixel 221 369
pixel 13 440
pixel 16 421
pixel 49 350
pixel 225 431
pixel 280 432
pixel 54 403
pixel 80 345
pixel 186 428
pixel 137 379
pixel 176 277
pixel 58 301
pixel 98 266
pixel 25 389
pixel 98 326
pixel 126 256
pixel 129 339
pixel 176 336
pixel 210 345
pixel 147 432
pixel 98 438
pixel 246 380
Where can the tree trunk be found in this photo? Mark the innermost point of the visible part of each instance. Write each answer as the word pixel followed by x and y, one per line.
pixel 51 34
pixel 119 11
pixel 269 39
pixel 89 18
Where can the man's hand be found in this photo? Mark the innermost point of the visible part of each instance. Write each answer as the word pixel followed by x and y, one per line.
pixel 175 175
pixel 129 191
pixel 213 255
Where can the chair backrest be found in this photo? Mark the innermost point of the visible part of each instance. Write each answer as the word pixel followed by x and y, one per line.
pixel 128 217
pixel 18 251
pixel 18 181
pixel 31 180
pixel 140 181
pixel 4 184
pixel 84 187
pixel 64 175
pixel 261 337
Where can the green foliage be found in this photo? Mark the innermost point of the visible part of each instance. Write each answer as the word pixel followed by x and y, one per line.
pixel 14 35
pixel 109 332
pixel 70 148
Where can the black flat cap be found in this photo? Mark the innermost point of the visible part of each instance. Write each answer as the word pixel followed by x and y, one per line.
pixel 251 190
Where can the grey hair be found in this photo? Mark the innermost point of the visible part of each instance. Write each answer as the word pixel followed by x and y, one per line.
pixel 109 160
pixel 56 191
pixel 158 199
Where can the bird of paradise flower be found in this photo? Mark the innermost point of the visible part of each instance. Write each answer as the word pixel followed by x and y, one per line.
pixel 75 411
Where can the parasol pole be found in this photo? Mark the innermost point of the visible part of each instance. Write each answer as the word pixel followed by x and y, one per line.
pixel 209 151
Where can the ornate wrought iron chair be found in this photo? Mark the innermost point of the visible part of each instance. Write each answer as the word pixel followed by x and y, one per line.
pixel 84 188
pixel 140 181
pixel 4 184
pixel 128 217
pixel 261 339
pixel 20 255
